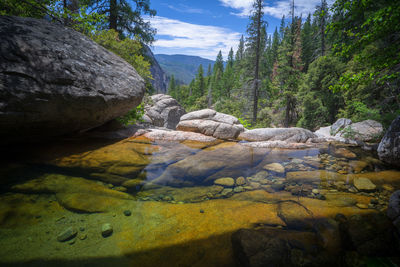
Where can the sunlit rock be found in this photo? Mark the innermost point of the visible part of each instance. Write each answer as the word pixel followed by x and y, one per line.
pixel 364 184
pixel 344 152
pixel 208 165
pixel 275 167
pixel 211 123
pixel 290 135
pixel 165 111
pixel 225 181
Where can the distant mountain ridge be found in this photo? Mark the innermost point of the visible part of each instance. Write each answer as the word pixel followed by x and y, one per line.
pixel 183 67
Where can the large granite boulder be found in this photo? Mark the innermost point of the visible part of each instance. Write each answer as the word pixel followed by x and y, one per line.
pixel 54 81
pixel 339 125
pixel 366 131
pixel 389 147
pixel 290 135
pixel 165 112
pixel 343 130
pixel 212 123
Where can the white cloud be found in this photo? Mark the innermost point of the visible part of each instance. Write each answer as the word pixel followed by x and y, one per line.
pixel 187 9
pixel 178 37
pixel 274 8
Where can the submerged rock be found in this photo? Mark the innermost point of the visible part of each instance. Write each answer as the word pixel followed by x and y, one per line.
pixel 56 81
pixel 389 147
pixel 225 181
pixel 210 164
pixel 275 167
pixel 106 230
pixel 165 112
pixel 67 234
pixel 211 123
pixel 364 184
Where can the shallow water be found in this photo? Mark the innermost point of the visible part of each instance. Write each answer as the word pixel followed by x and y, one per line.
pixel 181 212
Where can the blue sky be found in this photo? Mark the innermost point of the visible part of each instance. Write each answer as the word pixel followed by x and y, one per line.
pixel 203 27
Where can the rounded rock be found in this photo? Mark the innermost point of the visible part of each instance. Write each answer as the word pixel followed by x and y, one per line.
pixel 106 230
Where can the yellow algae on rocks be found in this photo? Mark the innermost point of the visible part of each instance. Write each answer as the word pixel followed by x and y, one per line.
pixel 314 176
pixel 23 209
pixel 75 193
pixel 183 236
pixel 121 158
pixel 84 202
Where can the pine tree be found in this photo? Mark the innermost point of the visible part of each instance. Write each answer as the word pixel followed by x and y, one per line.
pixel 254 42
pixel 126 17
pixel 172 88
pixel 240 51
pixel 307 43
pixel 219 63
pixel 200 84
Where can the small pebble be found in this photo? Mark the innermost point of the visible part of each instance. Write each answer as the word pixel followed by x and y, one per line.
pixel 81 228
pixel 361 206
pixel 201 211
pixel 127 213
pixel 374 201
pixel 106 230
pixel 315 191
pixel 67 234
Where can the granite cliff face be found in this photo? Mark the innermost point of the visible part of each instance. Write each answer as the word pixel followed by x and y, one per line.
pixel 55 81
pixel 160 79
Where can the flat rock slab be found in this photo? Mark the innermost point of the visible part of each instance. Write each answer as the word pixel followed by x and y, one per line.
pixel 56 81
pixel 291 135
pixel 364 184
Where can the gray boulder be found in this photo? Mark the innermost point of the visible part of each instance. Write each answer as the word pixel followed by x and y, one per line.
pixel 165 112
pixel 366 131
pixel 339 125
pixel 389 147
pixel 212 123
pixel 291 135
pixel 55 81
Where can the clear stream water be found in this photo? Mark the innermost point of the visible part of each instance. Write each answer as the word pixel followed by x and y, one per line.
pixel 168 205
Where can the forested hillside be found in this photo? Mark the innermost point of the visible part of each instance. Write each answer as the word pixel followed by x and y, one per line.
pixel 342 61
pixel 182 67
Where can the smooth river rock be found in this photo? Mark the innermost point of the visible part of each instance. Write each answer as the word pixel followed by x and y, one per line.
pixel 55 81
pixel 291 135
pixel 364 184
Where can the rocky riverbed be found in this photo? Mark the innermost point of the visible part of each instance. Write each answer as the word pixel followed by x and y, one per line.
pixel 151 201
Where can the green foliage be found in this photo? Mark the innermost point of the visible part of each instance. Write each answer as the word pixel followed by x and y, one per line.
pixel 133 116
pixel 246 124
pixel 128 49
pixel 28 8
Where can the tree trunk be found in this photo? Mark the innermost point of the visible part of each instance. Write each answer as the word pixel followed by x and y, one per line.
pixel 113 14
pixel 256 76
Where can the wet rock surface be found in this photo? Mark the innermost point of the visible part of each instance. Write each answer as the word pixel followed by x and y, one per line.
pixel 56 81
pixel 185 218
